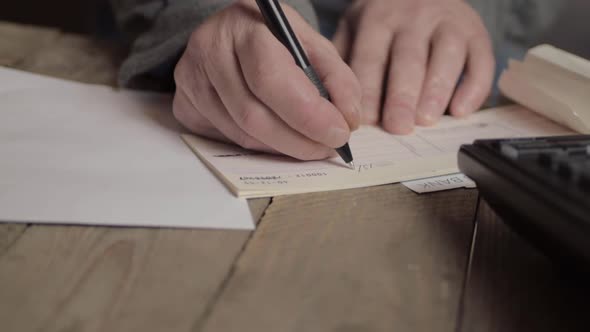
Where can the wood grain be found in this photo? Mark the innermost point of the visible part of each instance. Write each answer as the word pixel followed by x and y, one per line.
pixel 9 234
pixel 60 278
pixel 16 43
pixel 71 278
pixel 76 58
pixel 258 207
pixel 375 259
pixel 19 41
pixel 513 287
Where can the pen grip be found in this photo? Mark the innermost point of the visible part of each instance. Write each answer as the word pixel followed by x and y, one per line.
pixel 315 79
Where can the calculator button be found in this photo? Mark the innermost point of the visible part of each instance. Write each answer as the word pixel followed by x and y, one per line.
pixel 564 170
pixel 585 183
pixel 545 159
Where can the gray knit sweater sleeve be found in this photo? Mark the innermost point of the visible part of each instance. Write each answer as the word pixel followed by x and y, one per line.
pixel 158 31
pixel 519 22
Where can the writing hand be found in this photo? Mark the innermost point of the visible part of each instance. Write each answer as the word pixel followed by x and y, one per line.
pixel 236 82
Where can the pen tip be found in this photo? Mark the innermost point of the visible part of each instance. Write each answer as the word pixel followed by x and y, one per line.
pixel 351 165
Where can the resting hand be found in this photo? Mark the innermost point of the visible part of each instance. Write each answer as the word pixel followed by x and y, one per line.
pixel 236 82
pixel 409 56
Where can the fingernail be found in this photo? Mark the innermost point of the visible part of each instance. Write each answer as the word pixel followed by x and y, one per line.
pixel 337 136
pixel 428 114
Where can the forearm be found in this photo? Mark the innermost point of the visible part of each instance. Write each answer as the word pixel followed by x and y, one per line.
pixel 158 31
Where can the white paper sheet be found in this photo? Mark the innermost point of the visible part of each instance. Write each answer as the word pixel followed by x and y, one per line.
pixel 75 153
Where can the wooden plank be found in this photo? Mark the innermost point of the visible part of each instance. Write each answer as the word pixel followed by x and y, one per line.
pixel 71 278
pixel 513 287
pixel 9 233
pixel 258 207
pixel 77 58
pixel 60 278
pixel 17 41
pixel 375 259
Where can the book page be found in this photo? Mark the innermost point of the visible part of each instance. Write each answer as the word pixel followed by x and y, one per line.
pixel 380 158
pixel 553 83
pixel 564 61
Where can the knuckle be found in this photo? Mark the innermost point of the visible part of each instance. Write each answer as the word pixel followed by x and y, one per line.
pixel 261 79
pixel 207 40
pixel 407 59
pixel 439 85
pixel 454 46
pixel 411 55
pixel 307 105
pixel 402 100
pixel 249 119
pixel 371 94
pixel 306 122
pixel 199 37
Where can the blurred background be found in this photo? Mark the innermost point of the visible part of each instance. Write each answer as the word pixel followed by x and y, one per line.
pixel 70 15
pixel 570 31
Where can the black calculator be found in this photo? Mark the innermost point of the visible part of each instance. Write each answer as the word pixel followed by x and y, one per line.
pixel 540 187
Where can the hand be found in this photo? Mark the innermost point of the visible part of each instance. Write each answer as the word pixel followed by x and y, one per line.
pixel 409 56
pixel 236 82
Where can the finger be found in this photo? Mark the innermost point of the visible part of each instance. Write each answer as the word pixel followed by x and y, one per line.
pixel 447 60
pixel 202 96
pixel 341 38
pixel 254 117
pixel 192 119
pixel 409 58
pixel 272 76
pixel 479 76
pixel 341 83
pixel 368 60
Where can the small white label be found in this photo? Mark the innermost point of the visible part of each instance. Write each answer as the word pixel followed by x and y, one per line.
pixel 440 183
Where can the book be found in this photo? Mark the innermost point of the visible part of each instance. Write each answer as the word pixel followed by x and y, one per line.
pixel 547 86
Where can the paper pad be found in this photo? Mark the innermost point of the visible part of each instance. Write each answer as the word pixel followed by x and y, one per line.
pixel 380 158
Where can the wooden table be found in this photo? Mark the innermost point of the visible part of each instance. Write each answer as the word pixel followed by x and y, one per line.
pixel 373 259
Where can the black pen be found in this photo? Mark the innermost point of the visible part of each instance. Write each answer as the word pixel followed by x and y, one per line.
pixel 278 24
